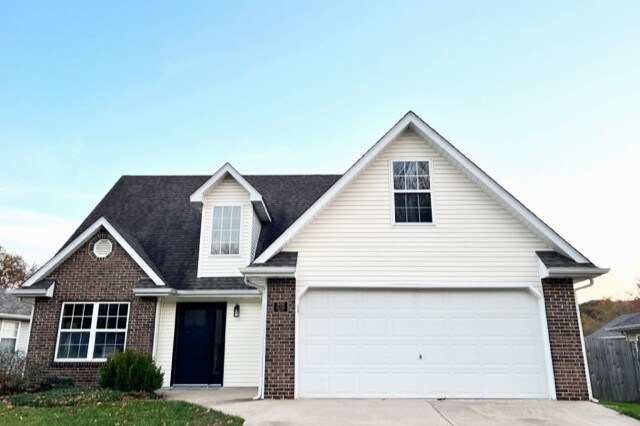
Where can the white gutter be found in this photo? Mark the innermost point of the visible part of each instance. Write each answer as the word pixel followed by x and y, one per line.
pixel 262 288
pixel 16 316
pixel 33 292
pixel 163 292
pixel 584 349
pixel 575 272
pixel 270 271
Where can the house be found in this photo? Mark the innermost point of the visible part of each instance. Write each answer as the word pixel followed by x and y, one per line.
pixel 15 317
pixel 627 325
pixel 606 332
pixel 411 275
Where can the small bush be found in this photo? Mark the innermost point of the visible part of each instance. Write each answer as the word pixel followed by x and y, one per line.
pixel 56 382
pixel 16 374
pixel 131 371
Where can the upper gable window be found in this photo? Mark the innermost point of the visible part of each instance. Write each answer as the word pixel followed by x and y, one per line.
pixel 412 192
pixel 226 230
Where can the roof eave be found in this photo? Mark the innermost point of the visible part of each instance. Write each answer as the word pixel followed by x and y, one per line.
pixel 269 271
pixel 575 272
pixel 33 292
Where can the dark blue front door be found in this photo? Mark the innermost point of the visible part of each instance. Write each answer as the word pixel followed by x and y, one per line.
pixel 199 343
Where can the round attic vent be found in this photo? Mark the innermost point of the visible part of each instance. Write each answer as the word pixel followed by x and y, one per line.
pixel 102 248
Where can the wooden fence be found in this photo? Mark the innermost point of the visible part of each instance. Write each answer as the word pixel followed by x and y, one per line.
pixel 614 368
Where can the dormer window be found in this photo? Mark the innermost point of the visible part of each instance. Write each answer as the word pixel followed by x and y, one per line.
pixel 412 192
pixel 226 230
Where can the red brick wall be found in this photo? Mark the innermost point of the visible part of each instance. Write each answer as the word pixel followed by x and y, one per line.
pixel 280 341
pixel 83 278
pixel 564 336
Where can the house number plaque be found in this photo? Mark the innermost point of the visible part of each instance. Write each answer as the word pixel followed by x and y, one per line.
pixel 279 306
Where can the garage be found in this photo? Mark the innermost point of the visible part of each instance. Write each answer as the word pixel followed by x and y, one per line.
pixel 421 344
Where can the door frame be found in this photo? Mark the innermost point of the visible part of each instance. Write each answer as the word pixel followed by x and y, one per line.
pixel 174 356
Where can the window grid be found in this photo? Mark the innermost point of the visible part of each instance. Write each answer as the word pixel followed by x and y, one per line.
pixel 92 331
pixel 225 236
pixel 8 335
pixel 411 182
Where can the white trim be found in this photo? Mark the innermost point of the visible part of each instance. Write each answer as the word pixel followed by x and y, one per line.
pixel 263 289
pixel 33 292
pixel 79 241
pixel 456 157
pixel 429 286
pixel 264 271
pixel 254 196
pixel 92 331
pixel 12 317
pixel 225 255
pixel 575 272
pixel 165 292
pixel 584 349
pixel 156 329
pixel 546 340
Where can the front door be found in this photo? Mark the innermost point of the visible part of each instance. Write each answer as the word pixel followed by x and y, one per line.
pixel 199 343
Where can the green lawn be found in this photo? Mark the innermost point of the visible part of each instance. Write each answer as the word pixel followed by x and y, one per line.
pixel 84 406
pixel 631 409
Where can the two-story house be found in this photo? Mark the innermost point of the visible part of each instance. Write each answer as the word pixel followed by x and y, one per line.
pixel 412 275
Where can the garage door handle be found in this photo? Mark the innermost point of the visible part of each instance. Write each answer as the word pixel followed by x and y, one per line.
pixel 420 356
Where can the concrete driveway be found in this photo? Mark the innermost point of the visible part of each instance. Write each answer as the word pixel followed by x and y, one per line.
pixel 400 411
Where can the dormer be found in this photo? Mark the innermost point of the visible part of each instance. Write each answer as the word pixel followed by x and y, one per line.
pixel 233 212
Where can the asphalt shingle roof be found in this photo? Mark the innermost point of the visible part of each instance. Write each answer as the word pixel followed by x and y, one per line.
pixel 553 259
pixel 631 321
pixel 284 258
pixel 155 216
pixel 12 305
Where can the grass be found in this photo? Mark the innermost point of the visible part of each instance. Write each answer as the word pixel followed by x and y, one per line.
pixel 631 409
pixel 86 406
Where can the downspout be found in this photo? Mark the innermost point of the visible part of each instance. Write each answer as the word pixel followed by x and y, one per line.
pixel 263 337
pixel 584 349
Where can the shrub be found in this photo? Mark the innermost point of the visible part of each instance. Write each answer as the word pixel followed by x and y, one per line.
pixel 56 382
pixel 16 374
pixel 131 371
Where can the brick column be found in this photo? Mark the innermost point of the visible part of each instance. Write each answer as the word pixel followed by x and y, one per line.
pixel 564 336
pixel 280 343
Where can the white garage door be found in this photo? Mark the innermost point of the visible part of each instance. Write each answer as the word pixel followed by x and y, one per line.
pixel 425 344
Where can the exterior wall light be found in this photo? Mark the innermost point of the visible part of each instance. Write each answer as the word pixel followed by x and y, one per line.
pixel 236 311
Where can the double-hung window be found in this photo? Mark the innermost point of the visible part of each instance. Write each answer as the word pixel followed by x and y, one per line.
pixel 225 238
pixel 8 335
pixel 412 192
pixel 92 331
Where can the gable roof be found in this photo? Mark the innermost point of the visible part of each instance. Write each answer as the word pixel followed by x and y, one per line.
pixel 128 243
pixel 155 215
pixel 13 307
pixel 459 160
pixel 605 332
pixel 227 170
pixel 628 323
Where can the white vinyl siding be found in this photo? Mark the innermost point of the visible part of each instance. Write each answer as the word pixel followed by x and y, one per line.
pixel 354 240
pixel 242 344
pixel 255 234
pixel 164 343
pixel 227 192
pixel 23 336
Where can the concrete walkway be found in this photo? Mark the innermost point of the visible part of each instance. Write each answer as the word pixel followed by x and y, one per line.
pixel 238 401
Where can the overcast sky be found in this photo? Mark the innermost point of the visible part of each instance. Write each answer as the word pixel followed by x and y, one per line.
pixel 544 96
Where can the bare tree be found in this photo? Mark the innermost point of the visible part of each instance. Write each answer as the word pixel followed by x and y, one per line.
pixel 14 270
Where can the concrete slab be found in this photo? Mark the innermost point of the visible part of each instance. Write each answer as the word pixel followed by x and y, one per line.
pixel 239 401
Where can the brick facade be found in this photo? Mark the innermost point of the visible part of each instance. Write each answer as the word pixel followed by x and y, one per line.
pixel 280 340
pixel 564 335
pixel 83 278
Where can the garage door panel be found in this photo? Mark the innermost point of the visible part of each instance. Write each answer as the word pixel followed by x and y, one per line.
pixel 474 344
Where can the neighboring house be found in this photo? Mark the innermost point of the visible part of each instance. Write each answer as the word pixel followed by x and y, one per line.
pixel 627 325
pixel 15 317
pixel 413 274
pixel 607 332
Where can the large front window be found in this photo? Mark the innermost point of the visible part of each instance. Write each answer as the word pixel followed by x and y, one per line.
pixel 8 335
pixel 412 192
pixel 225 237
pixel 92 331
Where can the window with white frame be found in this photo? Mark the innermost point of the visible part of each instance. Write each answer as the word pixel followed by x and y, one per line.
pixel 225 238
pixel 412 192
pixel 92 331
pixel 9 335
